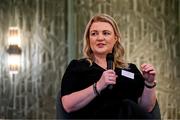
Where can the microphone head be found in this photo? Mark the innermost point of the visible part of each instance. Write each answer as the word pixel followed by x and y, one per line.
pixel 110 57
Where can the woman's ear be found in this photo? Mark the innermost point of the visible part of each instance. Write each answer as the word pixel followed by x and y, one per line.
pixel 116 39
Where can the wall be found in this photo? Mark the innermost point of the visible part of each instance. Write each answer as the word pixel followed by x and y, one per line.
pixel 42 23
pixel 150 31
pixel 52 32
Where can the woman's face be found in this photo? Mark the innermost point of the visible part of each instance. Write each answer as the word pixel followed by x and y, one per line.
pixel 102 38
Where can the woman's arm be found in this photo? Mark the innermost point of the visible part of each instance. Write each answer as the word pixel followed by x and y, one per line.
pixel 77 100
pixel 148 98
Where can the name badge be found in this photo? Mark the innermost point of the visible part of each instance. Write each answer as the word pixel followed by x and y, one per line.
pixel 127 74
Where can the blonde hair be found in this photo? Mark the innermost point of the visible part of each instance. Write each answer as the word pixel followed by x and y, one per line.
pixel 118 49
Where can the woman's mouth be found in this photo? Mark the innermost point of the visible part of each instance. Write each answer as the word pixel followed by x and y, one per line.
pixel 100 45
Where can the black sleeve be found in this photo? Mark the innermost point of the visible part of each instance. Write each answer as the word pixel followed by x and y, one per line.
pixel 140 80
pixel 69 82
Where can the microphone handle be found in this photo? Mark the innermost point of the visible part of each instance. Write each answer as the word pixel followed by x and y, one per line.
pixel 110 66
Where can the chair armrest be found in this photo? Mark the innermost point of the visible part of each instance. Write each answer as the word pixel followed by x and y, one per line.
pixel 156 111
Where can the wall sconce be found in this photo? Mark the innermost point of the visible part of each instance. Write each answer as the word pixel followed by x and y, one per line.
pixel 14 50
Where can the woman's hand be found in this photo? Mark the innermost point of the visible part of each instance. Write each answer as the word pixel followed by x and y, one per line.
pixel 148 98
pixel 149 72
pixel 108 78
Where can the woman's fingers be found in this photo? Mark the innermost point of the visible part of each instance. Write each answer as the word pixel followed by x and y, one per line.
pixel 148 68
pixel 110 77
pixel 148 72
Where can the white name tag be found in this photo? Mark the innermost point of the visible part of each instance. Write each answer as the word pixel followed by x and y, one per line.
pixel 127 74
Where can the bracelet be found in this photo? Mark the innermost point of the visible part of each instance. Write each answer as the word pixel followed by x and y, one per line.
pixel 150 85
pixel 95 90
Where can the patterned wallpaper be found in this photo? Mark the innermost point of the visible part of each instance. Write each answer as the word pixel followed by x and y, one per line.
pixel 32 92
pixel 150 32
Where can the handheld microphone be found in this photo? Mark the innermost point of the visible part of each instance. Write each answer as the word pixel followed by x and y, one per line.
pixel 110 60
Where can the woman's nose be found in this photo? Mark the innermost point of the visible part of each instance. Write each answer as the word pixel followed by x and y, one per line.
pixel 100 37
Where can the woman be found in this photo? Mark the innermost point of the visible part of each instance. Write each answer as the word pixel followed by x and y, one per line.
pixel 85 85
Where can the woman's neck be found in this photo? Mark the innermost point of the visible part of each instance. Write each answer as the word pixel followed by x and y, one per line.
pixel 101 60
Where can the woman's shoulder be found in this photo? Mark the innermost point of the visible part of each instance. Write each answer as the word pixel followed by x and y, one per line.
pixel 132 67
pixel 79 62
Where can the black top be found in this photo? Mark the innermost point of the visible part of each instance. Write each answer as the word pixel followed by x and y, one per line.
pixel 80 75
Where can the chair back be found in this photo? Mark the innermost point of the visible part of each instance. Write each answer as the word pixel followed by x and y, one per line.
pixel 60 112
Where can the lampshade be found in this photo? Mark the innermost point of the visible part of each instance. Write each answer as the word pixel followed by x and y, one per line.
pixel 14 63
pixel 14 50
pixel 14 36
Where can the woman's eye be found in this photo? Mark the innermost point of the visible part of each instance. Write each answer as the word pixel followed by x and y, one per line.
pixel 106 33
pixel 93 33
